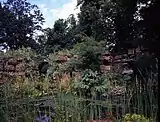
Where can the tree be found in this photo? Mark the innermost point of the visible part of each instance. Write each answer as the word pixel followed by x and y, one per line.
pixel 95 19
pixel 62 35
pixel 126 23
pixel 89 52
pixel 151 25
pixel 88 16
pixel 19 22
pixel 134 24
pixel 56 36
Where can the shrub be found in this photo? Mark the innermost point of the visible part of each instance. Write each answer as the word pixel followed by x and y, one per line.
pixel 89 53
pixel 92 84
pixel 136 118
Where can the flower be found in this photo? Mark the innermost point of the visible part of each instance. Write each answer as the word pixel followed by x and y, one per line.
pixel 42 119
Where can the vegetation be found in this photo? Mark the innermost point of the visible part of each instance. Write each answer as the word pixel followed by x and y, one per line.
pixel 73 87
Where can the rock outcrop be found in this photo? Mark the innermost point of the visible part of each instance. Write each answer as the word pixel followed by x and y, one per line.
pixel 11 67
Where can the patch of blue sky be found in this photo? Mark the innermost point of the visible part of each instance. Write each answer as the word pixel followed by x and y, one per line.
pixel 53 10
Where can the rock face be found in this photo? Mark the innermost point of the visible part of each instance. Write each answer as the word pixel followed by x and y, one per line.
pixel 11 67
pixel 106 62
pixel 110 62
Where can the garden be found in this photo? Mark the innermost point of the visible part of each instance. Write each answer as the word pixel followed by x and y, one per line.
pixel 68 93
pixel 98 65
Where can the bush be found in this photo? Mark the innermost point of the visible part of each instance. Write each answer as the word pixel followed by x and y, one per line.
pixel 136 118
pixel 92 84
pixel 89 53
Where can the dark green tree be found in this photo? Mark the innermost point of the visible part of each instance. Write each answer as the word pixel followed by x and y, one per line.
pixel 126 23
pixel 56 36
pixel 151 25
pixel 89 52
pixel 62 35
pixel 19 22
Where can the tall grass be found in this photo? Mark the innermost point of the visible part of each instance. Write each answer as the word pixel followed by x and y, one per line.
pixel 20 101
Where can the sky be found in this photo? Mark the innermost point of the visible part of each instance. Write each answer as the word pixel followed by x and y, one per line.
pixel 55 9
pixel 52 10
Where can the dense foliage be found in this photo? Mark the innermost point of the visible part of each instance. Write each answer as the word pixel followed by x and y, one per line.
pixel 73 49
pixel 125 23
pixel 19 22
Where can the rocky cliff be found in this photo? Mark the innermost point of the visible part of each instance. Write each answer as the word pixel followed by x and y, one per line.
pixel 11 67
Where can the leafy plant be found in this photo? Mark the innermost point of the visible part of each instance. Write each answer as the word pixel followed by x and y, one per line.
pixel 89 52
pixel 136 118
pixel 91 84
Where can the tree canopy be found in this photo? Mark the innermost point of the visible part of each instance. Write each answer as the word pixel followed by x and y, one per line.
pixel 19 22
pixel 126 23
